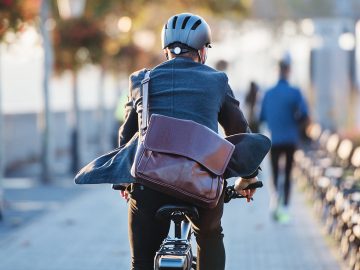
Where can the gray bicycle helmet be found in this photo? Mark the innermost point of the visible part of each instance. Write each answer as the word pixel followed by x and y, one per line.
pixel 188 29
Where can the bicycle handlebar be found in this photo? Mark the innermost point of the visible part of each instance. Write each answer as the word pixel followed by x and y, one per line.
pixel 230 192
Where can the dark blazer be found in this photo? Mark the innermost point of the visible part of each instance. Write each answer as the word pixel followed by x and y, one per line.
pixel 178 88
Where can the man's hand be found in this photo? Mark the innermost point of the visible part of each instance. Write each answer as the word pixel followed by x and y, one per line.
pixel 242 183
pixel 125 195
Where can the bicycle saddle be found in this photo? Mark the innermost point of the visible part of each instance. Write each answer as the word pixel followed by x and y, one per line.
pixel 166 211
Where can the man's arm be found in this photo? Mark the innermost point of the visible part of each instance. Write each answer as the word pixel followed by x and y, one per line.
pixel 230 117
pixel 130 125
pixel 302 108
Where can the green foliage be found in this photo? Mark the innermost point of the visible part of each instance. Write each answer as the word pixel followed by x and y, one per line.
pixel 14 14
pixel 10 16
pixel 98 34
pixel 316 8
pixel 224 7
pixel 77 41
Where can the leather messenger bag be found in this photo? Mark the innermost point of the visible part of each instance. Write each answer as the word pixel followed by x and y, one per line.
pixel 179 157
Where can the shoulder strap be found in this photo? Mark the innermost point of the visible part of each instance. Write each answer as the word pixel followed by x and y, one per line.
pixel 145 100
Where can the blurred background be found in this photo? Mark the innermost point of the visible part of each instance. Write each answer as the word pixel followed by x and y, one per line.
pixel 64 68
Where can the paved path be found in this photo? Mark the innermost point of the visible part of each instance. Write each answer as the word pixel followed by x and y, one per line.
pixel 26 198
pixel 90 233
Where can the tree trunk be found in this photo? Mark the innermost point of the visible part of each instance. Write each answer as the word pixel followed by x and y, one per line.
pixel 75 153
pixel 102 144
pixel 2 156
pixel 45 115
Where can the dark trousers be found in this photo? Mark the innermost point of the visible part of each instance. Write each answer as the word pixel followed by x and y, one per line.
pixel 146 233
pixel 276 152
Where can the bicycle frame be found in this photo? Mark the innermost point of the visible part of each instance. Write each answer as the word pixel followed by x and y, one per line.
pixel 176 253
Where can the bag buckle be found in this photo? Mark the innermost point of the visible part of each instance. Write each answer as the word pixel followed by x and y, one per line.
pixel 145 80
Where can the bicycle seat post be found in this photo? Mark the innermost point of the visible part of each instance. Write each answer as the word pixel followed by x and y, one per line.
pixel 175 252
pixel 177 217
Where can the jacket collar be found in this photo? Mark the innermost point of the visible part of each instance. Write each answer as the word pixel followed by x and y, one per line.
pixel 283 81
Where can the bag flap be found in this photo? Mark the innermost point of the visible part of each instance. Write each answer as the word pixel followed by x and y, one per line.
pixel 187 138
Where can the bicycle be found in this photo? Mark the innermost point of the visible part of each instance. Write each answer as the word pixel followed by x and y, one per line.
pixel 175 252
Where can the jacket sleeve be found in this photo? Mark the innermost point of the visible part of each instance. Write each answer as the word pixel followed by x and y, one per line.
pixel 130 126
pixel 230 117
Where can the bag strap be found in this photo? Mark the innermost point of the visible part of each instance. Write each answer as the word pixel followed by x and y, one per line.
pixel 145 101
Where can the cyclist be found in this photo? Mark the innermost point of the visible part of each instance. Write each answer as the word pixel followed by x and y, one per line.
pixel 186 88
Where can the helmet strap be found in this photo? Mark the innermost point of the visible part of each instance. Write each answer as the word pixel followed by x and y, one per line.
pixel 202 57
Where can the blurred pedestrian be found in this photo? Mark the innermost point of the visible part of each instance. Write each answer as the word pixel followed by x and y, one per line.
pixel 251 101
pixel 222 65
pixel 284 110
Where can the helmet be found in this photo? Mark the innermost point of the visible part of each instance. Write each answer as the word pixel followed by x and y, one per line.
pixel 188 29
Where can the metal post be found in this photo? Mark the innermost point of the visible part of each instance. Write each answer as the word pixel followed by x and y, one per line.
pixel 2 156
pixel 45 115
pixel 75 124
pixel 101 113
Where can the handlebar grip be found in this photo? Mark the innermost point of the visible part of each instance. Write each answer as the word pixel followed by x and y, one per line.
pixel 118 187
pixel 230 192
pixel 257 184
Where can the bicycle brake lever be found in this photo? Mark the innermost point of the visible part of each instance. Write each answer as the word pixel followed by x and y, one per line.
pixel 238 196
pixel 230 192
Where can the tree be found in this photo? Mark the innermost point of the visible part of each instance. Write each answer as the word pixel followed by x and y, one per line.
pixel 48 67
pixel 13 16
pixel 77 41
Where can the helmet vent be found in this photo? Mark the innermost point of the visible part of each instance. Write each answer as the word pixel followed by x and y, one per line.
pixel 196 24
pixel 166 26
pixel 185 22
pixel 174 22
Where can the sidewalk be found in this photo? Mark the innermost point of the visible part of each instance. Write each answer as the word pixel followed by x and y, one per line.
pixel 90 232
pixel 26 199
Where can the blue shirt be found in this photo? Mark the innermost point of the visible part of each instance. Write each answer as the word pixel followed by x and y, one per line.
pixel 282 108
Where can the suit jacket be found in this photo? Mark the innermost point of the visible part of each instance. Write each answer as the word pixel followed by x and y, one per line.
pixel 178 88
